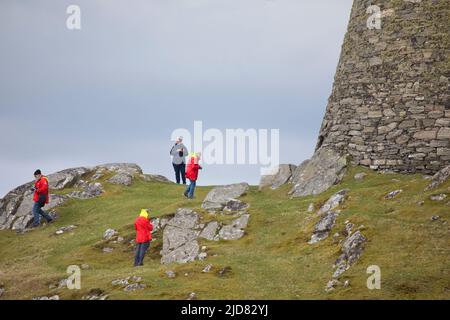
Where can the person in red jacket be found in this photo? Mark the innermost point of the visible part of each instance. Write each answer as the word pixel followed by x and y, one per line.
pixel 40 198
pixel 144 230
pixel 192 174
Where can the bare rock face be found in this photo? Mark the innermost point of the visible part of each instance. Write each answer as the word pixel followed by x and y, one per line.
pixel 323 227
pixel 325 169
pixel 66 178
pixel 180 238
pixel 281 176
pixel 352 249
pixel 218 197
pixel 210 231
pixel 122 178
pixel 439 178
pixel 333 202
pixel 182 233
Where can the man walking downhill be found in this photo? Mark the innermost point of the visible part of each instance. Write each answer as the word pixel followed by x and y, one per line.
pixel 192 174
pixel 179 152
pixel 40 198
pixel 144 230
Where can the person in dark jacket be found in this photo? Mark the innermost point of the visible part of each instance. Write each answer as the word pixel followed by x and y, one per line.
pixel 144 230
pixel 40 198
pixel 192 174
pixel 179 152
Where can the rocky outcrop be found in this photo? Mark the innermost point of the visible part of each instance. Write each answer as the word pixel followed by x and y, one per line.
pixel 16 206
pixel 334 201
pixel 325 169
pixel 180 237
pixel 182 232
pixel 122 178
pixel 439 178
pixel 323 227
pixel 282 175
pixel 218 197
pixel 328 215
pixel 352 249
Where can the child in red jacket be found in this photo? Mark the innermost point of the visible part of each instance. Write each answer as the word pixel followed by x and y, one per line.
pixel 192 174
pixel 144 230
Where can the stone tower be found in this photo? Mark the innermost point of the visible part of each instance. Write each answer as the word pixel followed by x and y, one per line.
pixel 390 107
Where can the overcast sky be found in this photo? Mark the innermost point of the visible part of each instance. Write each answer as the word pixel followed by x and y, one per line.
pixel 116 89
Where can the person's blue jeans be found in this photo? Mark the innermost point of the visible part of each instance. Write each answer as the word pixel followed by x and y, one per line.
pixel 141 249
pixel 190 189
pixel 38 212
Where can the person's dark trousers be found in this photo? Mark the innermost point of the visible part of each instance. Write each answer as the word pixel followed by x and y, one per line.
pixel 180 172
pixel 38 212
pixel 141 249
pixel 190 189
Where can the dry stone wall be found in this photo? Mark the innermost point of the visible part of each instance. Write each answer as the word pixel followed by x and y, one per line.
pixel 390 106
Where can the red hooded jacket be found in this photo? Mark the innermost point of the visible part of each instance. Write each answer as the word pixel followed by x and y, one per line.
pixel 41 188
pixel 144 230
pixel 192 168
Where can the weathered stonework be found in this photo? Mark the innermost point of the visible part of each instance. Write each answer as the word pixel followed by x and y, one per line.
pixel 390 107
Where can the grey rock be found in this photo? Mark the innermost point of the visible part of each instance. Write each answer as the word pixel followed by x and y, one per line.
pixel 129 168
pixel 281 175
pixel 108 250
pixel 95 294
pixel 184 219
pixel 241 222
pixel 323 227
pixel 2 291
pixel 210 231
pixel 360 176
pixel 219 196
pixel 109 234
pixel 85 266
pixel 439 178
pixel 207 268
pixel 393 194
pixel 66 178
pixel 120 282
pixel 192 296
pixel 334 201
pixel 171 274
pixel 183 254
pixel 134 287
pixel 332 284
pixel 325 169
pixel 235 205
pixel 180 238
pixel 349 228
pixel 91 190
pixel 311 207
pixel 122 178
pixel 55 297
pixel 155 178
pixel 352 249
pixel 65 229
pixel 230 232
pixel 202 255
pixel 438 197
pixel 435 218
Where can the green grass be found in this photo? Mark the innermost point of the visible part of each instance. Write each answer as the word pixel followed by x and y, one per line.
pixel 273 260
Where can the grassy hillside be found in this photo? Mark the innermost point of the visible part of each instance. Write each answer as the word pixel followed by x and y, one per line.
pixel 273 260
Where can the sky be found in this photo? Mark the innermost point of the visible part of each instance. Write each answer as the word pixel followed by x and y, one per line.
pixel 116 89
